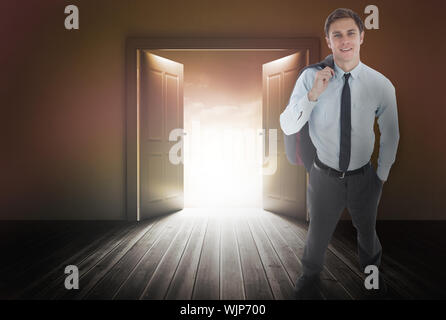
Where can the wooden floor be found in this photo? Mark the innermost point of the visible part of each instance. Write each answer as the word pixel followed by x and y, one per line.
pixel 209 254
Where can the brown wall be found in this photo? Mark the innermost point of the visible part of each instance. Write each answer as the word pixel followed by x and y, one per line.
pixel 62 94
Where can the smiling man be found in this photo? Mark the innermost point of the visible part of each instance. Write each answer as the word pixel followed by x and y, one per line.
pixel 340 104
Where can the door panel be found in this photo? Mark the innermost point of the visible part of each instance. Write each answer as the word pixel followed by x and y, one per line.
pixel 161 110
pixel 284 192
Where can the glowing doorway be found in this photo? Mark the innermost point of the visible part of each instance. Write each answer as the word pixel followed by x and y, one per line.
pixel 222 119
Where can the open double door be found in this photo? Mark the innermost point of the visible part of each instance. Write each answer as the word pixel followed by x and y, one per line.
pixel 160 110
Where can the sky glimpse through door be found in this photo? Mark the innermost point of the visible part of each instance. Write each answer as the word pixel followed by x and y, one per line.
pixel 222 119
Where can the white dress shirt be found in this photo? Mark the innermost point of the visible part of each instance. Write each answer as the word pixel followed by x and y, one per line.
pixel 372 95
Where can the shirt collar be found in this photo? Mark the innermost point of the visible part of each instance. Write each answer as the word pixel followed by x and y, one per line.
pixel 339 73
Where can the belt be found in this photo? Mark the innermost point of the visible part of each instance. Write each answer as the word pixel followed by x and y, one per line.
pixel 333 172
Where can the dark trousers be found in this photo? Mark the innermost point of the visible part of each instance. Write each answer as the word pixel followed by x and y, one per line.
pixel 327 197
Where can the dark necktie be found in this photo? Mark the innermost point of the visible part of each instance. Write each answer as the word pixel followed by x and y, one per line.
pixel 346 126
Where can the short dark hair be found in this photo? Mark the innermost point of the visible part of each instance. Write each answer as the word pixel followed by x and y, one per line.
pixel 341 13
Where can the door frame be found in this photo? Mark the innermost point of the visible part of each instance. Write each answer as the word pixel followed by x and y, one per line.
pixel 132 47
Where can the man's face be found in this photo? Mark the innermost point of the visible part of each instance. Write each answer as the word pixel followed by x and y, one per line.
pixel 345 40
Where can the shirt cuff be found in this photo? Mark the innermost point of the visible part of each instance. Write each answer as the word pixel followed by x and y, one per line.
pixel 306 104
pixel 383 172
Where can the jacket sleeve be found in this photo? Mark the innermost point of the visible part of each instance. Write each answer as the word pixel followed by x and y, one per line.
pixel 388 126
pixel 299 108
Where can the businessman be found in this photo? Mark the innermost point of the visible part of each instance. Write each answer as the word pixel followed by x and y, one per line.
pixel 340 105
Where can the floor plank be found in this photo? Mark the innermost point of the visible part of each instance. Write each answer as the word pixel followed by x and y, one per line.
pixel 207 281
pixel 107 287
pixel 84 261
pixel 396 273
pixel 331 287
pixel 254 277
pixel 133 287
pixel 93 275
pixel 45 283
pixel 183 281
pixel 44 263
pixel 25 252
pixel 231 271
pixel 158 285
pixel 17 237
pixel 209 253
pixel 279 280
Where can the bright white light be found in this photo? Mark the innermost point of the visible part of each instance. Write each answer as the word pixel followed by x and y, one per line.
pixel 222 158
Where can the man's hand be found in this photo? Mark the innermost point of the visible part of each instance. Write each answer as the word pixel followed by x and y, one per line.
pixel 320 83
